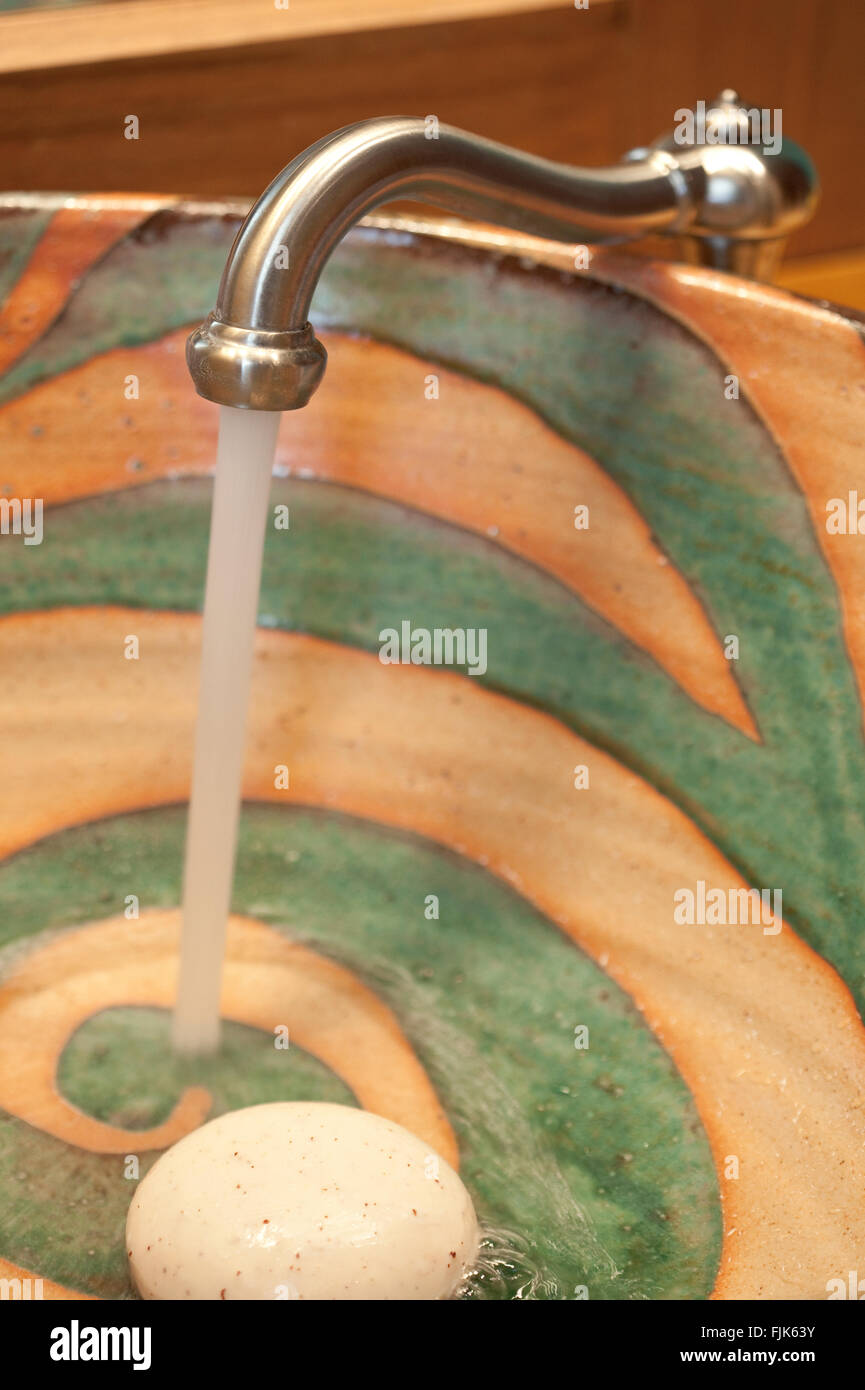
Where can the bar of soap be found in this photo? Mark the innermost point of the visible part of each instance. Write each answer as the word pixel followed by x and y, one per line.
pixel 300 1200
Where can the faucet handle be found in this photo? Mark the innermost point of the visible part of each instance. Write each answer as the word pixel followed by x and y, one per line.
pixel 759 186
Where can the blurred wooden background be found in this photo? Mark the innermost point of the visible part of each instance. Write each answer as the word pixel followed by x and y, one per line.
pixel 227 91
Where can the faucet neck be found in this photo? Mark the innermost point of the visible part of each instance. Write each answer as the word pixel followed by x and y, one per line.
pixel 258 351
pixel 312 203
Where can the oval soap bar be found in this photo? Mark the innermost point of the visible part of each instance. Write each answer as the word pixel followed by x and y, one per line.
pixel 300 1200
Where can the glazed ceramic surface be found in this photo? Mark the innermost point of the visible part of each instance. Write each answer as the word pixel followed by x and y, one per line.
pixel 463 906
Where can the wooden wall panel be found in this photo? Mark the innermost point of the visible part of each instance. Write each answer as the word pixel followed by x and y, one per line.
pixel 576 85
pixel 225 121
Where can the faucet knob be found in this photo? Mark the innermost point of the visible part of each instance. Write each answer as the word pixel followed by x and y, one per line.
pixel 759 186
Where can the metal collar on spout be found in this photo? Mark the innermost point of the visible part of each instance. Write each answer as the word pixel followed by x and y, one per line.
pixel 257 349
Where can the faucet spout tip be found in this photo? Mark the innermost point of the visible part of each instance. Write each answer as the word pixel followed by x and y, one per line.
pixel 255 369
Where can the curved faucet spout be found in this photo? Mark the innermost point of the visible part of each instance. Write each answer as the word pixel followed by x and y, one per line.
pixel 257 349
pixel 310 206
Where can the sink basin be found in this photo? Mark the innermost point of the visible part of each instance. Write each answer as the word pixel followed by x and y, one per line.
pixel 498 900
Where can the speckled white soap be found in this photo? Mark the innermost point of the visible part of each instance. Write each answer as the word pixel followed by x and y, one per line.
pixel 300 1200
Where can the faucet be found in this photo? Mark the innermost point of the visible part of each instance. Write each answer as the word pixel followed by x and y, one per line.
pixel 732 201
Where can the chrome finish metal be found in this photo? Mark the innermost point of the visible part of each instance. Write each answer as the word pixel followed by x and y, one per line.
pixel 754 196
pixel 257 350
pixel 255 367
